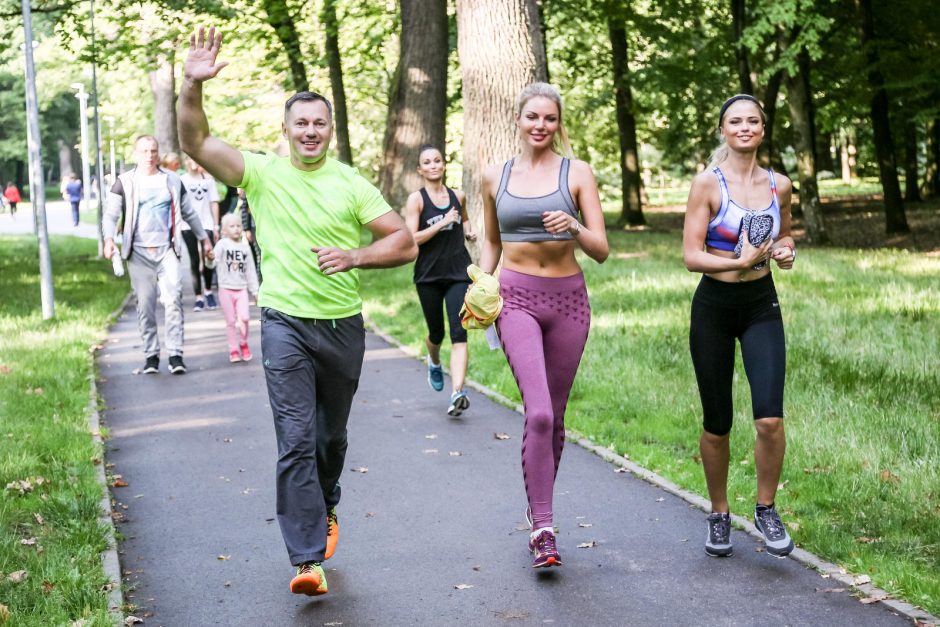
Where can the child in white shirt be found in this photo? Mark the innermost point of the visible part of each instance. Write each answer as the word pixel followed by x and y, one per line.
pixel 236 274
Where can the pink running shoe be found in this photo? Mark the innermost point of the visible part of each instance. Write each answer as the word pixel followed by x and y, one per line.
pixel 543 548
pixel 234 357
pixel 246 354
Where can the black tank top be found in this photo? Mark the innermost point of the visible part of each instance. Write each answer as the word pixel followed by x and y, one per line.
pixel 443 257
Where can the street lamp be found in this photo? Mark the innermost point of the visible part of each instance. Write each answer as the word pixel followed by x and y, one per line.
pixel 110 120
pixel 86 168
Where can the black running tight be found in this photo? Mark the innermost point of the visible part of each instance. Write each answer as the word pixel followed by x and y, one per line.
pixel 747 312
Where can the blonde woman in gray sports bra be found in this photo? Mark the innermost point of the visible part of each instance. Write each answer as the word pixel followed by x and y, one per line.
pixel 539 207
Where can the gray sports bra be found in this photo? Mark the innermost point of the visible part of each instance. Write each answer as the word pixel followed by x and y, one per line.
pixel 520 218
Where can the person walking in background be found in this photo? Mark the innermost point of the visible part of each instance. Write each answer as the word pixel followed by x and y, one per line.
pixel 152 202
pixel 310 211
pixel 237 279
pixel 531 207
pixel 171 162
pixel 736 220
pixel 437 218
pixel 12 195
pixel 73 193
pixel 204 197
pixel 248 228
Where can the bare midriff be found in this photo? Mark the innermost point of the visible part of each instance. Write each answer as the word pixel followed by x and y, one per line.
pixel 735 276
pixel 546 259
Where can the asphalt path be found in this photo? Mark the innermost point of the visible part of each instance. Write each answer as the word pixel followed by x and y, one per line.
pixel 432 516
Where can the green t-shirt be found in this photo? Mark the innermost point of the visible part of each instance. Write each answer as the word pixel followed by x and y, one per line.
pixel 295 211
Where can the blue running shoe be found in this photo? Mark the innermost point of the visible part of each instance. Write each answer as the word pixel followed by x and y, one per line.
pixel 211 302
pixel 435 376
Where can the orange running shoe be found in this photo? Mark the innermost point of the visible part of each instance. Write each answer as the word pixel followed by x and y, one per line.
pixel 310 580
pixel 332 533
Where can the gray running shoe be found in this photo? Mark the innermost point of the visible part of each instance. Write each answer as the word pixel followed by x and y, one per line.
pixel 718 538
pixel 767 521
pixel 459 402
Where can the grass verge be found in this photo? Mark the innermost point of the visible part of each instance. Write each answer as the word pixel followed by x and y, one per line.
pixel 861 483
pixel 49 508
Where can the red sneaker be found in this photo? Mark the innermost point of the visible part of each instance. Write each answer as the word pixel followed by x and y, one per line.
pixel 234 357
pixel 246 354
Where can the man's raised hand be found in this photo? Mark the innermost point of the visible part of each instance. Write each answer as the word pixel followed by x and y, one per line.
pixel 200 64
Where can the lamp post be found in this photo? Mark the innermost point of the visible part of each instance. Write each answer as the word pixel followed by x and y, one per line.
pixel 82 96
pixel 110 121
pixel 35 158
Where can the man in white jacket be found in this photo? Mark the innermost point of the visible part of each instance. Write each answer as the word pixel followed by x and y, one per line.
pixel 152 204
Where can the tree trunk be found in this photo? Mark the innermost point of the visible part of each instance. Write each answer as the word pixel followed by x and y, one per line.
pixel 66 159
pixel 494 71
pixel 895 219
pixel 739 22
pixel 280 19
pixel 911 187
pixel 932 171
pixel 824 160
pixel 331 24
pixel 799 99
pixel 632 210
pixel 20 176
pixel 417 110
pixel 769 152
pixel 163 86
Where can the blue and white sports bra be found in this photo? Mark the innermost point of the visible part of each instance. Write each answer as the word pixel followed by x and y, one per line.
pixel 724 229
pixel 520 217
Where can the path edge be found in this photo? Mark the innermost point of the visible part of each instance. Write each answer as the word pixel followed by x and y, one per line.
pixel 110 561
pixel 826 570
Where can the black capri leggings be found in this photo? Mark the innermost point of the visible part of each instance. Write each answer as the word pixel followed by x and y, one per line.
pixel 749 312
pixel 203 278
pixel 433 297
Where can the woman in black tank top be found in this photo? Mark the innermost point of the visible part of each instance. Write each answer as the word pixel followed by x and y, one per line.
pixel 437 218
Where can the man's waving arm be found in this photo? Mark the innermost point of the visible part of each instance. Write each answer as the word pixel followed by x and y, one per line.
pixel 218 158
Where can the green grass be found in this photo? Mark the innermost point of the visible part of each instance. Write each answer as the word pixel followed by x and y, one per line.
pixel 678 194
pixel 44 376
pixel 862 473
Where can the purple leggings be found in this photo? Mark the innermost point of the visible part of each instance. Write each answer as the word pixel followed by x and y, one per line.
pixel 543 318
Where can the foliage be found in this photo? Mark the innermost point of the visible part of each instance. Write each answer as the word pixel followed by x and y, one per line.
pixel 49 525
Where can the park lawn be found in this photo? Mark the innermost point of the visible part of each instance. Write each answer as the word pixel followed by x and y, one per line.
pixel 861 483
pixel 49 509
pixel 677 193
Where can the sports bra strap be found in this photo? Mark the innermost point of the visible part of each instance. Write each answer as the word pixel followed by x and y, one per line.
pixel 723 186
pixel 563 185
pixel 773 187
pixel 504 179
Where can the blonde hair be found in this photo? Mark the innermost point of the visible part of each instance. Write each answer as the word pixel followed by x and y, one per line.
pixel 230 217
pixel 721 152
pixel 560 142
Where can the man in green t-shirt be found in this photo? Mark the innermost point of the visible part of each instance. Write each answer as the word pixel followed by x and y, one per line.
pixel 309 211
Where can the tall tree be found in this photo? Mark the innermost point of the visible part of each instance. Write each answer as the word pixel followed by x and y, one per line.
pixel 163 87
pixel 739 23
pixel 911 184
pixel 331 25
pixel 494 71
pixel 932 171
pixel 895 218
pixel 632 209
pixel 418 100
pixel 278 16
pixel 799 99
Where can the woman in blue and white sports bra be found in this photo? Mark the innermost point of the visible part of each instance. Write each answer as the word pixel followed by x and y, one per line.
pixel 737 221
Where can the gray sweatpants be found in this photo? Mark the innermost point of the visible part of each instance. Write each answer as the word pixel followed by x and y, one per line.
pixel 150 275
pixel 312 369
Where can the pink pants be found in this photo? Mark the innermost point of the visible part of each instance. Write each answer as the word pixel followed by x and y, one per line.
pixel 235 307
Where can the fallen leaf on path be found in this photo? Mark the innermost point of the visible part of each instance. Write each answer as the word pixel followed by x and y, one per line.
pixel 585 525
pixel 861 580
pixel 660 499
pixel 759 549
pixel 888 476
pixel 463 586
pixel 120 483
pixel 28 541
pixel 39 518
pixel 432 436
pixel 222 558
pixel 588 545
pixel 455 453
pixel 621 469
pixel 138 496
pixel 430 450
pixel 227 584
pixel 830 589
pixel 501 436
pixel 226 440
pixel 17 576
pixel 333 624
pixel 47 587
pixel 135 371
pixel 477 568
pixel 361 469
pixel 874 599
pixel 132 620
pixel 370 514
